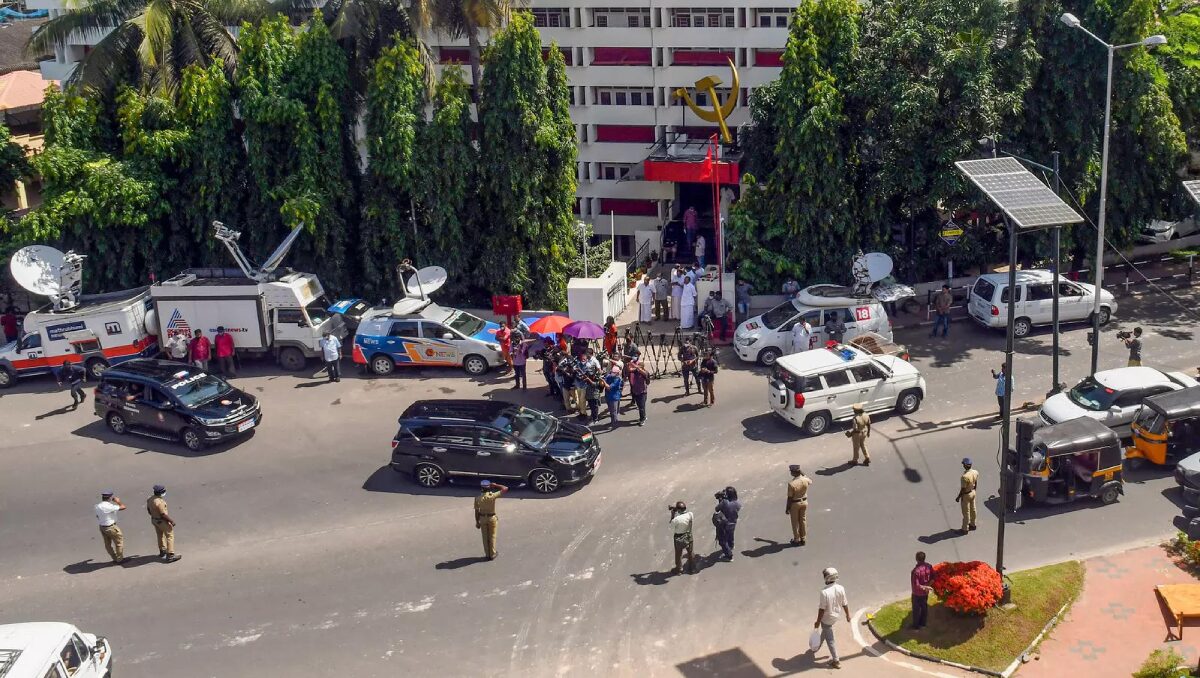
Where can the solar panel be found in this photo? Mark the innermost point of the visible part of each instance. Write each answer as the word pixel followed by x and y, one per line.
pixel 1193 189
pixel 1018 193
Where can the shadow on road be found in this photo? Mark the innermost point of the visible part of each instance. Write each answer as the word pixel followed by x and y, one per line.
pixel 384 479
pixel 97 430
pixel 54 413
pixel 939 536
pixel 768 428
pixel 768 547
pixel 657 578
pixel 88 566
pixel 459 563
pixel 732 663
pixel 834 470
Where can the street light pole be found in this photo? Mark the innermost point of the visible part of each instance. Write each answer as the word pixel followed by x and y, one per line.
pixel 1054 382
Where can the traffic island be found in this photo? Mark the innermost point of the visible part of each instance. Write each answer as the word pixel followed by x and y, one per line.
pixel 992 643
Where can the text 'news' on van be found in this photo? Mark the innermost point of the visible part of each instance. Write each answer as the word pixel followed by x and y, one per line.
pixel 1034 303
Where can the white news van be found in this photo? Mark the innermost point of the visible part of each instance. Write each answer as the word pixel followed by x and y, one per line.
pixel 285 317
pixel 101 330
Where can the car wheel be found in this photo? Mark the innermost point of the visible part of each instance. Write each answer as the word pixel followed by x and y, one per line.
pixel 7 378
pixel 1105 315
pixel 116 423
pixel 191 439
pixel 818 423
pixel 291 359
pixel 1109 494
pixel 96 367
pixel 475 365
pixel 908 402
pixel 544 480
pixel 382 365
pixel 768 356
pixel 1022 327
pixel 429 475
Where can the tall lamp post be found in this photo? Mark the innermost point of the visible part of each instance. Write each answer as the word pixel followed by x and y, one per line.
pixel 1071 21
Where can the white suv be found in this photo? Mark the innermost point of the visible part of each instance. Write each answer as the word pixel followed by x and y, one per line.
pixel 766 337
pixel 988 302
pixel 815 388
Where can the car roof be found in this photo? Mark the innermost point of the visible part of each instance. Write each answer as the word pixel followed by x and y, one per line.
pixel 27 646
pixel 458 410
pixel 149 368
pixel 1122 378
pixel 820 359
pixel 1030 276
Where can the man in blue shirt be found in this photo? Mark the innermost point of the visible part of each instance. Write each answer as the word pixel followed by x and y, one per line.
pixel 73 375
pixel 1004 385
pixel 612 395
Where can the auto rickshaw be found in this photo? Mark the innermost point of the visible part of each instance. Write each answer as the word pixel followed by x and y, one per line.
pixel 1077 458
pixel 1167 428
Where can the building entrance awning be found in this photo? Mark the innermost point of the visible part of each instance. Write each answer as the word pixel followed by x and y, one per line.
pixel 680 159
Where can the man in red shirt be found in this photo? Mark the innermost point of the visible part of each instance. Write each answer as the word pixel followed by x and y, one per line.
pixel 921 576
pixel 9 322
pixel 224 342
pixel 200 349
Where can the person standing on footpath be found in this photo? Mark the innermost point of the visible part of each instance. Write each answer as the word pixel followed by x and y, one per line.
pixel 520 358
pixel 200 350
pixel 331 354
pixel 742 299
pixel 224 346
pixel 639 387
pixel 645 299
pixel 690 228
pixel 860 430
pixel 688 360
pixel 662 295
pixel 920 578
pixel 941 311
pixel 725 517
pixel 797 504
pixel 593 390
pixel 612 395
pixel 106 514
pixel 833 604
pixel 791 288
pixel 707 377
pixel 1134 344
pixel 164 524
pixel 720 311
pixel 504 338
pixel 9 322
pixel 687 304
pixel 1004 385
pixel 486 520
pixel 967 484
pixel 73 375
pixel 176 347
pixel 676 291
pixel 681 536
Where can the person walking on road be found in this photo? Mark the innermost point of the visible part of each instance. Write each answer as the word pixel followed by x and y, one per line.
pixel 720 314
pixel 224 345
pixel 833 604
pixel 486 520
pixel 707 377
pixel 967 483
pixel 941 311
pixel 73 375
pixel 920 578
pixel 741 296
pixel 110 532
pixel 725 517
pixel 1004 384
pixel 688 363
pixel 331 353
pixel 681 535
pixel 797 504
pixel 1134 344
pixel 164 524
pixel 860 430
pixel 613 383
pixel 662 295
pixel 639 387
pixel 200 350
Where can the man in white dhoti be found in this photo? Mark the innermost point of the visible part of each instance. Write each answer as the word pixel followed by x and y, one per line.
pixel 687 305
pixel 676 290
pixel 645 298
pixel 800 336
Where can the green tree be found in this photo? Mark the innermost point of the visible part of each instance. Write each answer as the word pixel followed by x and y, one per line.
pixel 556 146
pixel 465 19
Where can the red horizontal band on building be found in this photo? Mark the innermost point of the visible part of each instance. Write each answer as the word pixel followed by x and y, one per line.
pixel 768 57
pixel 683 57
pixel 628 207
pixel 693 172
pixel 454 55
pixel 625 134
pixel 566 55
pixel 620 56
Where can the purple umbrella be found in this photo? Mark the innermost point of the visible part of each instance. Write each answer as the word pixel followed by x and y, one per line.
pixel 584 329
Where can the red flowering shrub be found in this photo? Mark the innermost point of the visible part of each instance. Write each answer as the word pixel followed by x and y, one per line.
pixel 968 588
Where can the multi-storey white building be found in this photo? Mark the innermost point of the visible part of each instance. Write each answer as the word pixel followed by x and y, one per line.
pixel 624 63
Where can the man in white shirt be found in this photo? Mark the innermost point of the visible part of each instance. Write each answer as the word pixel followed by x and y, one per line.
pixel 106 515
pixel 645 299
pixel 676 290
pixel 801 333
pixel 331 353
pixel 687 305
pixel 833 604
pixel 700 244
pixel 681 534
pixel 176 347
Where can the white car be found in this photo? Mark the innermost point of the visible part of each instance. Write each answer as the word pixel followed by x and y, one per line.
pixel 988 301
pixel 765 337
pixel 52 650
pixel 1162 231
pixel 1112 397
pixel 813 389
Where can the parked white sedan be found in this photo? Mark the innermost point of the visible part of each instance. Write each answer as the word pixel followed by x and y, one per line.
pixel 1112 397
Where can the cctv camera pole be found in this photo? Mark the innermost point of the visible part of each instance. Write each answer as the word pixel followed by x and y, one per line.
pixel 1055 386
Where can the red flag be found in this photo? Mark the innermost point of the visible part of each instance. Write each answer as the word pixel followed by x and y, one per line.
pixel 706 170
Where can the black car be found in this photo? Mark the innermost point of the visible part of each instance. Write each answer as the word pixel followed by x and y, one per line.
pixel 165 399
pixel 491 439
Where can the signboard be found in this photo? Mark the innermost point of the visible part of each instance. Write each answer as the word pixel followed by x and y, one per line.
pixel 56 332
pixel 950 233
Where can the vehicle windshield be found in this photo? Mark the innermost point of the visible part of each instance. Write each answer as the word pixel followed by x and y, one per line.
pixel 531 426
pixel 464 323
pixel 777 316
pixel 199 388
pixel 1150 421
pixel 1092 395
pixel 316 314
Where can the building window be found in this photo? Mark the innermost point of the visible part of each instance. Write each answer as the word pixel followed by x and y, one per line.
pixel 551 17
pixel 629 207
pixel 565 52
pixel 620 56
pixel 625 134
pixel 624 96
pixel 701 57
pixel 701 98
pixel 772 18
pixel 454 55
pixel 614 171
pixel 711 17
pixel 768 57
pixel 621 17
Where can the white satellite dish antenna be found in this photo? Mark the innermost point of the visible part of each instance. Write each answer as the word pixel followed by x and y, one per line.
pixel 261 273
pixel 425 282
pixel 47 272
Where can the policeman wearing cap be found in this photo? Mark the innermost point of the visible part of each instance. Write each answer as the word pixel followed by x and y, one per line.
pixel 966 495
pixel 106 515
pixel 164 524
pixel 797 504
pixel 485 515
pixel 860 430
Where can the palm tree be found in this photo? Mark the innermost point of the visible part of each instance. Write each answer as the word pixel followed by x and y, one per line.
pixel 149 41
pixel 464 18
pixel 364 28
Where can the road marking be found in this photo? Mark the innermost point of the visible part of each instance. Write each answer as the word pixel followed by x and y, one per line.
pixel 856 623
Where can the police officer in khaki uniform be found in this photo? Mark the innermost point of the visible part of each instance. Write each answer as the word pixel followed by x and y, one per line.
pixel 859 432
pixel 485 515
pixel 797 504
pixel 164 524
pixel 966 495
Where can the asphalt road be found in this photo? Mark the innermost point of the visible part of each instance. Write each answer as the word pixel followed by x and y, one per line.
pixel 303 554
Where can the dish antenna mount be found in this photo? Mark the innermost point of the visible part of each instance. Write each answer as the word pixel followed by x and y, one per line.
pixel 47 272
pixel 870 271
pixel 264 272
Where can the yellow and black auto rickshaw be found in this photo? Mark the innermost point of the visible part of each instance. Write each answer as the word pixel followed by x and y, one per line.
pixel 1167 428
pixel 1077 458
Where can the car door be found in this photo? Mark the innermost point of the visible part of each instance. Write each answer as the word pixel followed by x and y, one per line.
pixel 1123 410
pixel 402 342
pixel 498 454
pixel 874 389
pixel 442 343
pixel 817 338
pixel 1070 302
pixel 1018 304
pixel 840 393
pixel 1039 303
pixel 453 447
pixel 852 325
pixel 158 410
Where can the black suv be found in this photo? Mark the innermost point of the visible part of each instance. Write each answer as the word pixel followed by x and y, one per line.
pixel 492 439
pixel 171 400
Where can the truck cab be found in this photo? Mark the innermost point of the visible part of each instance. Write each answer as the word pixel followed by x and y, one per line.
pixel 299 316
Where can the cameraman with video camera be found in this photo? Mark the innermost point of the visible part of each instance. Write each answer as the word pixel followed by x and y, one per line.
pixel 725 517
pixel 1134 343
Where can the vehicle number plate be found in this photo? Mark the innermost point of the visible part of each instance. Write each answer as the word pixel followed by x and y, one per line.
pixel 597 464
pixel 246 425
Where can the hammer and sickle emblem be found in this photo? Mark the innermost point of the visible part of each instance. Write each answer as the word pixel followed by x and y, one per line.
pixel 719 112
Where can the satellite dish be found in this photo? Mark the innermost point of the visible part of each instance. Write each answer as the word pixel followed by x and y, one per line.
pixel 280 252
pixel 47 272
pixel 426 281
pixel 869 269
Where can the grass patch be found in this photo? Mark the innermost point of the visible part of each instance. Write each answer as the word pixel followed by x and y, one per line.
pixel 994 640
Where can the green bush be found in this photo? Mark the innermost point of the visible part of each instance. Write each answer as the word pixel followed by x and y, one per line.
pixel 1163 664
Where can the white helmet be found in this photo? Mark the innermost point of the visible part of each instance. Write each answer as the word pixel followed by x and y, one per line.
pixel 830 574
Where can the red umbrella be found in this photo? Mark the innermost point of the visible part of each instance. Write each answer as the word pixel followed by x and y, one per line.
pixel 550 324
pixel 584 329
